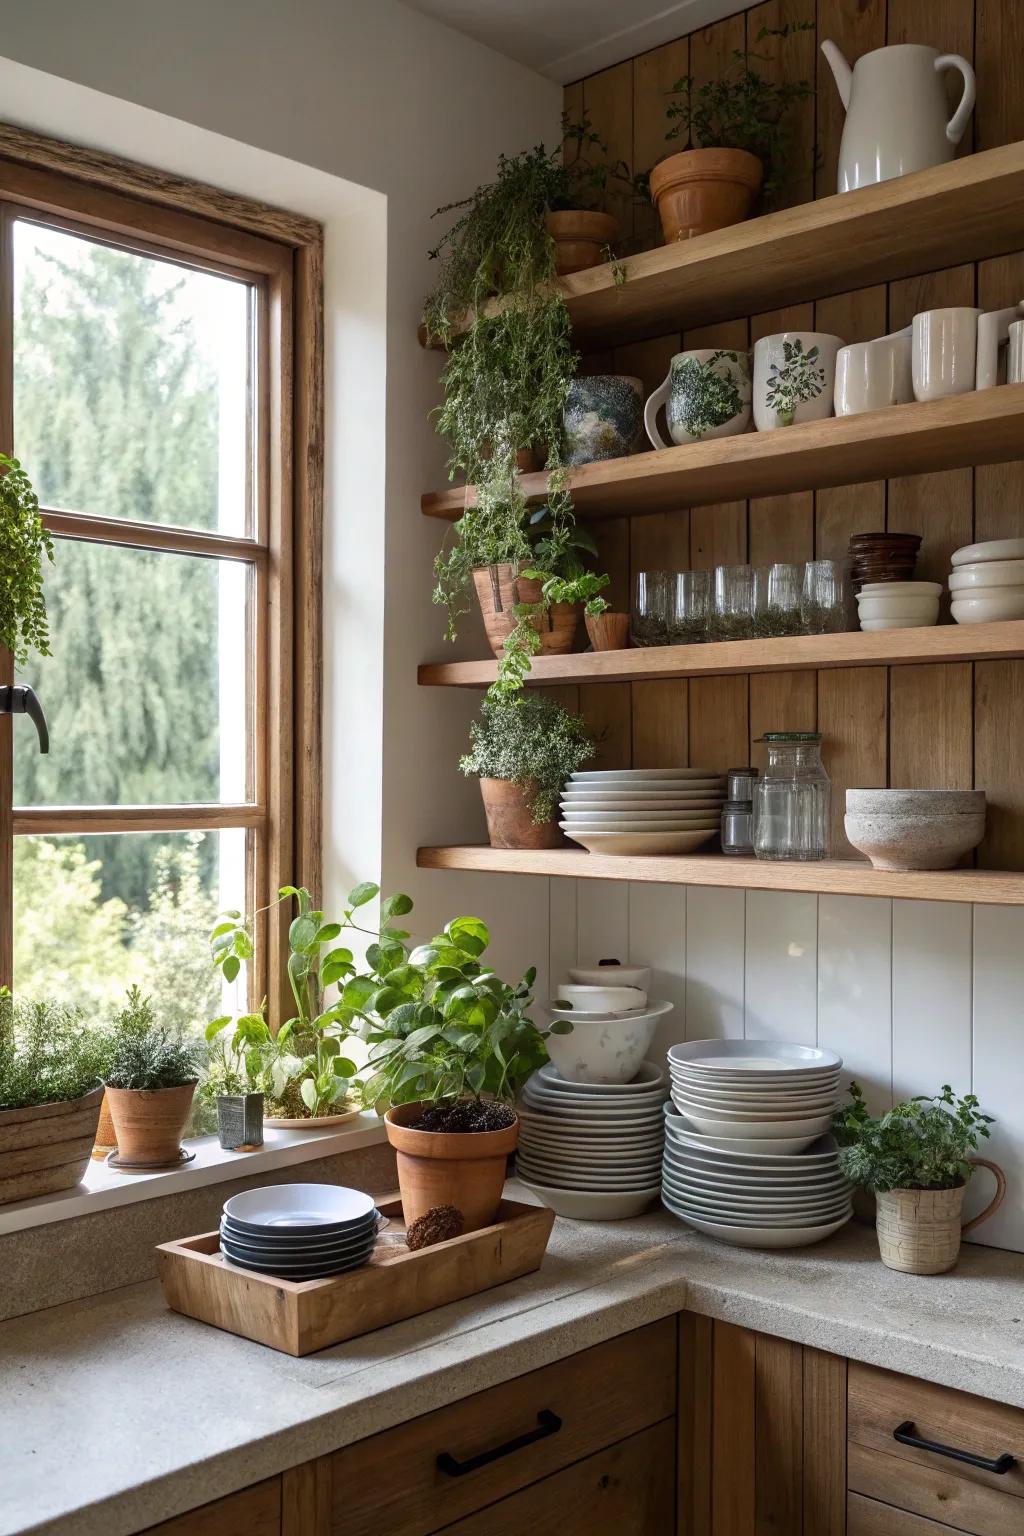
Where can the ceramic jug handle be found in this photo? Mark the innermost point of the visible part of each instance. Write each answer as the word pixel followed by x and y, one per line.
pixel 651 409
pixel 993 333
pixel 958 122
pixel 997 1198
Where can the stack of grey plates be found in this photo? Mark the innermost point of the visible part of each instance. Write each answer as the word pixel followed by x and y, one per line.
pixel 299 1231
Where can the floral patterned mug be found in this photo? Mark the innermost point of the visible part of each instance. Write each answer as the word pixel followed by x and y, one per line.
pixel 706 394
pixel 794 377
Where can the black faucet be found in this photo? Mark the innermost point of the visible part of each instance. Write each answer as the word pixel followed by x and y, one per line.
pixel 19 699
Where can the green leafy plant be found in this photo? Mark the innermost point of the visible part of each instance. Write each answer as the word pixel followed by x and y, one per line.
pixel 585 175
pixel 924 1143
pixel 744 108
pixel 49 1053
pixel 532 742
pixel 142 1054
pixel 25 544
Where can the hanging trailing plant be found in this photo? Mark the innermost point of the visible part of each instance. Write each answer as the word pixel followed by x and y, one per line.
pixel 26 544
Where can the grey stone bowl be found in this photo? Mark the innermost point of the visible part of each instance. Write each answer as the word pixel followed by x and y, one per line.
pixel 899 841
pixel 916 802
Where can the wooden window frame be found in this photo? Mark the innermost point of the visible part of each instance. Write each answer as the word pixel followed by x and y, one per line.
pixel 148 210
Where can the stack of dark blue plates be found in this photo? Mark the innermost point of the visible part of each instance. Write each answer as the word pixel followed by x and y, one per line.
pixel 299 1231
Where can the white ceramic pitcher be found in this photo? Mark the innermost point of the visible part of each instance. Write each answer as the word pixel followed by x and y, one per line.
pixel 896 111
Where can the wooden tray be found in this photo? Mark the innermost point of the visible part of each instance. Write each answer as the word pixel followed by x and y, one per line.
pixel 300 1316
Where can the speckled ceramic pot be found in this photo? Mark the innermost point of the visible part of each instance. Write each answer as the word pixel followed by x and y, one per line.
pixel 901 841
pixel 610 1051
pixel 602 417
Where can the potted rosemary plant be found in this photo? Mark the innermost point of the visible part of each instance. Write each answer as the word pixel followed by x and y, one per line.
pixel 917 1159
pixel 150 1077
pixel 523 750
pixel 737 128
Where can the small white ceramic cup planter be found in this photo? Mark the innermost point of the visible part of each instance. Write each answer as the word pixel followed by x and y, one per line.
pixel 871 375
pixel 705 394
pixel 794 378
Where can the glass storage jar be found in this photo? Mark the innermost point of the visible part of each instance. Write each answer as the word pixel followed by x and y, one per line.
pixel 791 799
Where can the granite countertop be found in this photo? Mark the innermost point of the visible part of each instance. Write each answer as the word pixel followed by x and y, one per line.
pixel 116 1413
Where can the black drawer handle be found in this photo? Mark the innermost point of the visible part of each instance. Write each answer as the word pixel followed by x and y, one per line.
pixel 904 1433
pixel 548 1423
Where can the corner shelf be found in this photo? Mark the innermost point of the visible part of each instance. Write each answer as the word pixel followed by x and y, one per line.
pixel 984 427
pixel 846 877
pixel 965 211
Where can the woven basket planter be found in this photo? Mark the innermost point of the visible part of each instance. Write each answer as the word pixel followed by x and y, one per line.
pixel 919 1230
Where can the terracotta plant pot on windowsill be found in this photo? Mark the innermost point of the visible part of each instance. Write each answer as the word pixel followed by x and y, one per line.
pixel 581 237
pixel 510 822
pixel 149 1124
pixel 499 588
pixel 461 1168
pixel 704 189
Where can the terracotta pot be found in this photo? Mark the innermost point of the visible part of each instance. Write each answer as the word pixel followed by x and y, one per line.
pixel 704 189
pixel 580 237
pixel 509 820
pixel 106 1141
pixel 149 1123
pixel 608 631
pixel 465 1169
pixel 919 1230
pixel 499 588
pixel 47 1146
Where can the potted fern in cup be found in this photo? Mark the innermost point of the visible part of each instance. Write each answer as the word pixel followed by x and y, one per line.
pixel 523 750
pixel 150 1079
pixel 917 1159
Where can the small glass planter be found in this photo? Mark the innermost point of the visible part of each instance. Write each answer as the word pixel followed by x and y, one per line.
pixel 733 617
pixel 777 590
pixel 239 1120
pixel 822 602
pixel 689 602
pixel 649 617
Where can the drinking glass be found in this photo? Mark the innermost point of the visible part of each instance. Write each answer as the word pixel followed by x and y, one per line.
pixel 822 607
pixel 689 600
pixel 734 603
pixel 649 618
pixel 777 599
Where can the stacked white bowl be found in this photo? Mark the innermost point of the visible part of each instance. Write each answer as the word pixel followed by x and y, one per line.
pixel 606 1030
pixel 746 1156
pixel 987 582
pixel 898 604
pixel 590 1151
pixel 643 810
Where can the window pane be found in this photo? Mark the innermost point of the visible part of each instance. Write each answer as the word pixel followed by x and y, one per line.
pixel 145 693
pixel 131 383
pixel 94 914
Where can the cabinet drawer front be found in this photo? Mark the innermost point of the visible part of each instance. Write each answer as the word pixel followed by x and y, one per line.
pixel 879 1401
pixel 392 1482
pixel 866 1517
pixel 256 1511
pixel 935 1491
pixel 628 1488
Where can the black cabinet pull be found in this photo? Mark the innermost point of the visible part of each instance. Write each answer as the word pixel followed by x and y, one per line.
pixel 548 1423
pixel 904 1433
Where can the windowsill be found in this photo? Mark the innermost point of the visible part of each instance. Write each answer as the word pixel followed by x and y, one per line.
pixel 103 1188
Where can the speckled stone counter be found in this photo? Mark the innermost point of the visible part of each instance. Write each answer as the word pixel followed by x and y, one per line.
pixel 116 1413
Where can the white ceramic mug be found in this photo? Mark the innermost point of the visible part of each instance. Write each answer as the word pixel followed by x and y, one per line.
pixel 873 374
pixel 944 352
pixel 706 394
pixel 1015 354
pixel 794 378
pixel 993 335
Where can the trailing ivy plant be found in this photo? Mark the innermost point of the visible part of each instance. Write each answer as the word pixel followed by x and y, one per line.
pixel 925 1143
pixel 26 544
pixel 744 108
pixel 532 742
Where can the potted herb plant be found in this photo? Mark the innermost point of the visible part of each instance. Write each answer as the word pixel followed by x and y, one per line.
pixel 917 1159
pixel 578 217
pixel 26 545
pixel 236 1081
pixel 301 1070
pixel 738 131
pixel 150 1077
pixel 51 1069
pixel 449 1048
pixel 523 750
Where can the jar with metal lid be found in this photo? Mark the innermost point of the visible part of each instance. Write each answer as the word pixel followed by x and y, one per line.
pixel 791 800
pixel 738 828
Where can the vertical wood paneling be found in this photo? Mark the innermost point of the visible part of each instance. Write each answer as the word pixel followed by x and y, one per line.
pixel 654 75
pixel 733 1470
pixel 931 738
pixel 695 1449
pixel 824 1437
pixel 719 734
pixel 999 758
pixel 792 59
pixel 778 1417
pixel 852 718
pixel 608 102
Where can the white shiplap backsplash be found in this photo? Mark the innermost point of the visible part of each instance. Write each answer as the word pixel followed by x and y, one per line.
pixel 913 994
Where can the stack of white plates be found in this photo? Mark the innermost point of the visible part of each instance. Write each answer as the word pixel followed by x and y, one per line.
pixel 299 1231
pixel 643 810
pixel 743 1115
pixel 987 582
pixel 592 1151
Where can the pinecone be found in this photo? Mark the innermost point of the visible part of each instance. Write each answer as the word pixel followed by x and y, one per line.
pixel 437 1226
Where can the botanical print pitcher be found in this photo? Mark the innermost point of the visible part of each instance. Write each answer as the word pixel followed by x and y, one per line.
pixel 794 377
pixel 706 394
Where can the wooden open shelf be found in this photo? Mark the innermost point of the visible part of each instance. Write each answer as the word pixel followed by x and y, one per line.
pixel 797 653
pixel 984 427
pixel 964 211
pixel 844 877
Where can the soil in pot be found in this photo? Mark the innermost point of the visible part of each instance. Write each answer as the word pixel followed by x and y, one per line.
pixel 499 588
pixel 704 189
pixel 510 822
pixel 581 237
pixel 149 1123
pixel 463 1167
